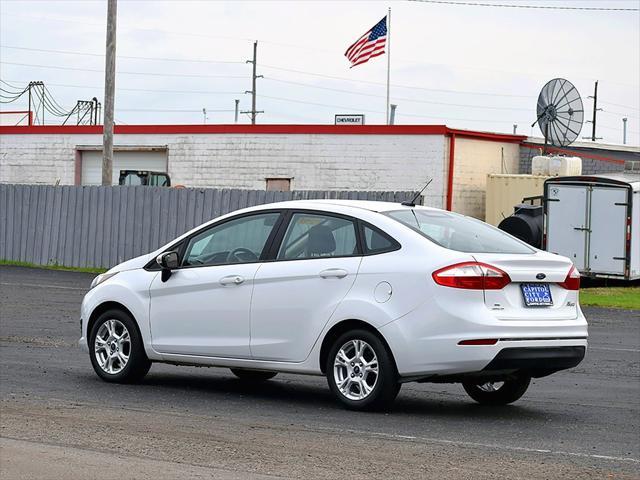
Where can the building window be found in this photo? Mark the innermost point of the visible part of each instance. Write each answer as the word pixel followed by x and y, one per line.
pixel 278 184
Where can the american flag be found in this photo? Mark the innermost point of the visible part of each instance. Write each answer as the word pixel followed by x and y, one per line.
pixel 369 45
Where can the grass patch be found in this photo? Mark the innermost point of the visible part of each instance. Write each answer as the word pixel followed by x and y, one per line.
pixel 613 297
pixel 15 263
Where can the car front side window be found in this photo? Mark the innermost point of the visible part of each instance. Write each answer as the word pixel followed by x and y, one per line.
pixel 241 240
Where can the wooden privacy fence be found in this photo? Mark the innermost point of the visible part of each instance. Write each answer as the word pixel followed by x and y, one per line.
pixel 77 226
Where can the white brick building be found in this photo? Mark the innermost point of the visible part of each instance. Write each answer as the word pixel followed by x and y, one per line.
pixel 305 157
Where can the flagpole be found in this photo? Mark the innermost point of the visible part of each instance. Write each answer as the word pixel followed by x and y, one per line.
pixel 388 61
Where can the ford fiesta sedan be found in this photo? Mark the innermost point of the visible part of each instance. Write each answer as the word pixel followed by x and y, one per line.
pixel 369 294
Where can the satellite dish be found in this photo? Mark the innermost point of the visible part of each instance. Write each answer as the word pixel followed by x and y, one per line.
pixel 560 112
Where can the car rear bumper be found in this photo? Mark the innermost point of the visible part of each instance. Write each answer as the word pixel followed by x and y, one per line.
pixel 536 361
pixel 426 342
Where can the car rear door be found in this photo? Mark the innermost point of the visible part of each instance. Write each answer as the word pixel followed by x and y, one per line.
pixel 568 222
pixel 296 294
pixel 608 230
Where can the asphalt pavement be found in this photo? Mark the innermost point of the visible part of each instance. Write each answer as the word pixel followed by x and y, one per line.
pixel 188 422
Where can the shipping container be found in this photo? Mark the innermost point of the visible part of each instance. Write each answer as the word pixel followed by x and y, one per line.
pixel 504 191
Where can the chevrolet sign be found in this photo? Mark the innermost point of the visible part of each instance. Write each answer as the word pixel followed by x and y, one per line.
pixel 345 119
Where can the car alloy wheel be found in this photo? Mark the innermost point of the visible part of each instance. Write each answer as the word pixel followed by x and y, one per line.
pixel 112 346
pixel 491 386
pixel 355 369
pixel 361 372
pixel 117 351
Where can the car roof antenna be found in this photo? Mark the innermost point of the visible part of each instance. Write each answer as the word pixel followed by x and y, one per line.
pixel 412 203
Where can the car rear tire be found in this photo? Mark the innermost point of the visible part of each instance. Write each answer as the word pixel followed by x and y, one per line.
pixel 116 349
pixel 361 372
pixel 253 375
pixel 497 393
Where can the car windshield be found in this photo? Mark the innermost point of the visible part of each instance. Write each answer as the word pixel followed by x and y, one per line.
pixel 457 232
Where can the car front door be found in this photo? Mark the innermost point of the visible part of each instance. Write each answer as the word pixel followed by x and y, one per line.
pixel 295 295
pixel 203 308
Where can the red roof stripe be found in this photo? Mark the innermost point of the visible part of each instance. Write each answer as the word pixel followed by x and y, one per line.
pixel 260 129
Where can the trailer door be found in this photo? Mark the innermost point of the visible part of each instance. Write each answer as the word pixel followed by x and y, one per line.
pixel 608 224
pixel 567 222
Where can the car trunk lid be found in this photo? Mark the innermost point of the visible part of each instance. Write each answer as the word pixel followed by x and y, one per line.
pixel 532 270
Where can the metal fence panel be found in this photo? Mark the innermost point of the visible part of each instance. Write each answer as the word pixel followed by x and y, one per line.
pixel 91 226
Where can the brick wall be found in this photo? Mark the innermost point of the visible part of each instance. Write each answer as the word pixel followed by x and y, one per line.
pixel 314 161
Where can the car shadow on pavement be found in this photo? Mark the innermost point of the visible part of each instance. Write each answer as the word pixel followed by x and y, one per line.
pixel 283 392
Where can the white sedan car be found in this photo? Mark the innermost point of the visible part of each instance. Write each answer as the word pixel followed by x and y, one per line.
pixel 370 294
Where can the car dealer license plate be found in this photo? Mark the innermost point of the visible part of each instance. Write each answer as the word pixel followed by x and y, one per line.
pixel 536 294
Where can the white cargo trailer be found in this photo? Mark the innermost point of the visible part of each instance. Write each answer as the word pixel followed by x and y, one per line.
pixel 595 221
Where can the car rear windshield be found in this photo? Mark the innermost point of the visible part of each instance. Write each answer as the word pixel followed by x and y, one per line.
pixel 457 232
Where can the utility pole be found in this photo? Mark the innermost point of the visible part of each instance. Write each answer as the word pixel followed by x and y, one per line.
pixel 595 111
pixel 204 115
pixel 253 112
pixel 235 116
pixel 624 131
pixel 109 94
pixel 515 128
pixel 30 115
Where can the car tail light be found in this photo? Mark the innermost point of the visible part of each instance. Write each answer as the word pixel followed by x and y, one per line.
pixel 572 282
pixel 472 276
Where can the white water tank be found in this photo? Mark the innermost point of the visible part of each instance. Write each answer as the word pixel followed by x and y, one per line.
pixel 540 165
pixel 556 165
pixel 569 167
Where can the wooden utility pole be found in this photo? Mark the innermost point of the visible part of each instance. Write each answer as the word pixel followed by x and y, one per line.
pixel 109 94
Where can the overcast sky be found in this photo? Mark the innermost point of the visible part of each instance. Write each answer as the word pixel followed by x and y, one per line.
pixel 467 66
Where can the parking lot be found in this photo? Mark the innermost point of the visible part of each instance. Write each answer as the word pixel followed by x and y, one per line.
pixel 192 422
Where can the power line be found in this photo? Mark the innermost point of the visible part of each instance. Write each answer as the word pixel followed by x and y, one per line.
pixel 618 114
pixel 208 61
pixel 99 55
pixel 170 110
pixel 267 66
pixel 149 90
pixel 273 67
pixel 530 7
pixel 414 100
pixel 620 105
pixel 158 74
pixel 296 46
pixel 411 87
pixel 60 111
pixel 342 107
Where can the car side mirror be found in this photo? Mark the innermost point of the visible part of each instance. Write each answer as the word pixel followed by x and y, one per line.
pixel 167 261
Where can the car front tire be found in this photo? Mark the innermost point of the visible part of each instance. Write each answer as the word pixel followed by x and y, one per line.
pixel 361 372
pixel 116 349
pixel 498 393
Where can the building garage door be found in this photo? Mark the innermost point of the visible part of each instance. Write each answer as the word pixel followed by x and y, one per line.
pixel 154 160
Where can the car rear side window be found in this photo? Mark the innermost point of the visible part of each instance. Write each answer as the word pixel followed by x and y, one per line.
pixel 457 232
pixel 376 241
pixel 317 235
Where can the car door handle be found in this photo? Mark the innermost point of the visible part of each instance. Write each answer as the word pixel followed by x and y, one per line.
pixel 232 280
pixel 333 273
